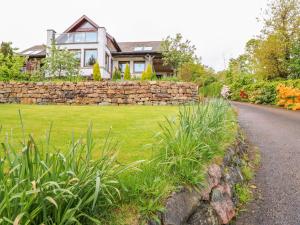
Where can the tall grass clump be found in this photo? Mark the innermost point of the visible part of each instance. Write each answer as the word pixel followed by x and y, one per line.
pixel 40 187
pixel 199 134
pixel 185 145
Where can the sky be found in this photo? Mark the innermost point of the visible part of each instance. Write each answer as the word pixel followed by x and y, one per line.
pixel 218 28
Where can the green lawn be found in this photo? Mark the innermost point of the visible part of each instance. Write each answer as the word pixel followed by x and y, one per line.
pixel 133 127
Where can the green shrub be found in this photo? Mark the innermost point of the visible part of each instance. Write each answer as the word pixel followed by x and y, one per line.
pixel 96 72
pixel 40 187
pixel 211 90
pixel 263 92
pixel 148 73
pixel 116 74
pixel 11 68
pixel 127 74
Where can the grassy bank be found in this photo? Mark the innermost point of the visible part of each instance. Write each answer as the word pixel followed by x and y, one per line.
pixel 45 186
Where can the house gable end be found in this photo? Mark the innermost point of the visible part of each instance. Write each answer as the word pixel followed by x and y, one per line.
pixel 83 24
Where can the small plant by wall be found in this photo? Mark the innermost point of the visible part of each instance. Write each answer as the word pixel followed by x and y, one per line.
pixel 96 72
pixel 127 75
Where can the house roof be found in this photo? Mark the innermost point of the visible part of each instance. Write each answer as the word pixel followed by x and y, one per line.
pixel 35 51
pixel 140 47
pixel 80 21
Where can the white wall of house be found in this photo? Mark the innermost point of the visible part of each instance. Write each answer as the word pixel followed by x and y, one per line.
pixel 100 46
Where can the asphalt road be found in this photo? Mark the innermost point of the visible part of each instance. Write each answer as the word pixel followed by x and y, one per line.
pixel 277 134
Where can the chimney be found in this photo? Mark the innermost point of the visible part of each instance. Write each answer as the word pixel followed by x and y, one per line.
pixel 50 37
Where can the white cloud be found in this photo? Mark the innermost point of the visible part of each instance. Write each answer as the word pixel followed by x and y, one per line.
pixel 218 28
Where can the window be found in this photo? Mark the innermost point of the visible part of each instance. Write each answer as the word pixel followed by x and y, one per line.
pixel 122 66
pixel 90 57
pixel 140 49
pixel 79 37
pixel 107 62
pixel 139 67
pixel 77 54
pixel 91 37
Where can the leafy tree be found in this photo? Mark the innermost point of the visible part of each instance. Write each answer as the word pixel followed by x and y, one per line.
pixel 11 64
pixel 11 67
pixel 280 32
pixel 177 52
pixel 96 72
pixel 60 62
pixel 271 58
pixel 294 65
pixel 148 73
pixel 116 74
pixel 6 49
pixel 127 74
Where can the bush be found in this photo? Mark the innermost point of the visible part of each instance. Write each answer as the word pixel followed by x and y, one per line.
pixel 288 97
pixel 116 74
pixel 96 72
pixel 39 187
pixel 11 68
pixel 127 74
pixel 263 92
pixel 148 73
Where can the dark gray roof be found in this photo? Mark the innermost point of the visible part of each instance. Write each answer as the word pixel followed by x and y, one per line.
pixel 143 46
pixel 35 51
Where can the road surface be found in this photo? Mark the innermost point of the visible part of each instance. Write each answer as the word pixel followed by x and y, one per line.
pixel 277 134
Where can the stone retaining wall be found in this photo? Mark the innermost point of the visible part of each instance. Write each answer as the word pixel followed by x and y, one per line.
pixel 214 204
pixel 106 92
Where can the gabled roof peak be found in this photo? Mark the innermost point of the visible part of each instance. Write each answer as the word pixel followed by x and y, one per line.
pixel 80 21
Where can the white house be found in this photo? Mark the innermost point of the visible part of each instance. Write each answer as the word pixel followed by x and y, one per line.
pixel 91 42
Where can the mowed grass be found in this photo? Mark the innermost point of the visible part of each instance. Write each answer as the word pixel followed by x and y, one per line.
pixel 132 127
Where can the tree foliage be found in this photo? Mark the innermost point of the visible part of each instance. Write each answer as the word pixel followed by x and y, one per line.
pixel 275 52
pixel 11 67
pixel 177 52
pixel 96 72
pixel 127 74
pixel 11 64
pixel 60 62
pixel 6 49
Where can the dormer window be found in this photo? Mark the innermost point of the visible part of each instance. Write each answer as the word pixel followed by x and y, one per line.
pixel 137 49
pixel 141 49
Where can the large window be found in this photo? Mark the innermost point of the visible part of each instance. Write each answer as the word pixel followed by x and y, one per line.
pixel 122 66
pixel 77 54
pixel 77 37
pixel 139 67
pixel 90 57
pixel 91 37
